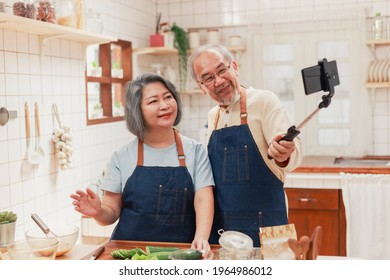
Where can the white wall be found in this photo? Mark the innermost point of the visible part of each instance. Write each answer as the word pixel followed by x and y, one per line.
pixel 45 189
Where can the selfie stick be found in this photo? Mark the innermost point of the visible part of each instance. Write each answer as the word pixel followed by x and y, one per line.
pixel 328 79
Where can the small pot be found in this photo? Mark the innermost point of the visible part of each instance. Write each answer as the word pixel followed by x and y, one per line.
pixel 7 233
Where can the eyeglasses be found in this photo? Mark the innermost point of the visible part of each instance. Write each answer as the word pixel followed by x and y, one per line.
pixel 208 80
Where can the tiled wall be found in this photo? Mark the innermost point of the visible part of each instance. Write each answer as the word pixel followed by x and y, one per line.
pixel 57 79
pixel 45 189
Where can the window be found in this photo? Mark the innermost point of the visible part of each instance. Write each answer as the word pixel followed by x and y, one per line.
pixel 338 129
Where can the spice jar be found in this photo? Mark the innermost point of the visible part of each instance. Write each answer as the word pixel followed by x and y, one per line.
pixel 66 13
pixel 24 8
pixel 46 11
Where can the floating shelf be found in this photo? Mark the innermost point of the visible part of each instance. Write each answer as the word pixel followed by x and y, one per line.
pixel 378 85
pixel 155 51
pixel 49 30
pixel 168 51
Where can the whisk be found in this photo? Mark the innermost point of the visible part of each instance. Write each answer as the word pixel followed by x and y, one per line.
pixel 46 230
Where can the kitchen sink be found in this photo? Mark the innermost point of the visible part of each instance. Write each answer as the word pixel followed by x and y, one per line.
pixel 363 161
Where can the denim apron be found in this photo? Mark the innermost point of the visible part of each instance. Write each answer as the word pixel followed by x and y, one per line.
pixel 247 193
pixel 158 202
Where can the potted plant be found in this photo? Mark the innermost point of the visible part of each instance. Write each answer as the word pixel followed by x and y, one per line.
pixel 181 44
pixel 94 70
pixel 97 111
pixel 116 70
pixel 7 227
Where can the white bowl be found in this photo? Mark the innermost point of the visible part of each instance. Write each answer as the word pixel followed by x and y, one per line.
pixel 66 235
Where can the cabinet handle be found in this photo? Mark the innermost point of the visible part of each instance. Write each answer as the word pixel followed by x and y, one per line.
pixel 305 199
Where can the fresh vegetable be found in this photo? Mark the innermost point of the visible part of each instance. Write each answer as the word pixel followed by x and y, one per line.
pixel 7 217
pixel 127 254
pixel 142 257
pixel 187 254
pixel 154 249
pixel 160 255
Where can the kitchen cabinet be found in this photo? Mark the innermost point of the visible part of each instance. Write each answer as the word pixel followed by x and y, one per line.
pixel 309 208
pixel 106 91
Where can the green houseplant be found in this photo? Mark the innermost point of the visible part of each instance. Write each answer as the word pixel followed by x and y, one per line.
pixel 181 44
pixel 7 227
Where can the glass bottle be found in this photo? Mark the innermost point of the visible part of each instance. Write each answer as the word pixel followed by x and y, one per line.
pixel 66 13
pixel 2 6
pixel 377 27
pixel 80 13
pixel 45 11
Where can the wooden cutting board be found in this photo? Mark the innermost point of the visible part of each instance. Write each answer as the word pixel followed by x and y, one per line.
pixel 127 245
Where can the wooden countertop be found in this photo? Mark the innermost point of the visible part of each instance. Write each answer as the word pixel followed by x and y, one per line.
pixel 368 164
pixel 123 244
pixel 78 252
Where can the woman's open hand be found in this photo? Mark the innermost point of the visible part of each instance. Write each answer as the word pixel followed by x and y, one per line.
pixel 87 203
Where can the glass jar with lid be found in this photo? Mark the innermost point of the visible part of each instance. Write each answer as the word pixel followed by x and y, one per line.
pixel 24 8
pixel 94 22
pixel 45 11
pixel 66 14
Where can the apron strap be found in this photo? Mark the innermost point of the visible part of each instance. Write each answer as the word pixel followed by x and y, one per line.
pixel 179 147
pixel 243 113
pixel 140 160
pixel 180 151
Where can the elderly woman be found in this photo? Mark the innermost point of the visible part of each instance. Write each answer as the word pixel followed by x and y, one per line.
pixel 160 184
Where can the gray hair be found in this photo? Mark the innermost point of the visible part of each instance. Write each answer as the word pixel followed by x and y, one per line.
pixel 222 50
pixel 133 115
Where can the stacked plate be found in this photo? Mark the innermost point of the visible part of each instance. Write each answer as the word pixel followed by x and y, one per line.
pixel 379 71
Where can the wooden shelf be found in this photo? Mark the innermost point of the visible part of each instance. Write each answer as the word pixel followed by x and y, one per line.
pixel 169 51
pixel 371 43
pixel 155 51
pixel 378 85
pixel 48 30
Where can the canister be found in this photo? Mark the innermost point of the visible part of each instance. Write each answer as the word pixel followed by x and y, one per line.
pixel 235 41
pixel 194 39
pixel 213 36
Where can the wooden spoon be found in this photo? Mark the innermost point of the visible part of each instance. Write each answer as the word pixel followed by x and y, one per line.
pixel 305 244
pixel 315 242
pixel 296 247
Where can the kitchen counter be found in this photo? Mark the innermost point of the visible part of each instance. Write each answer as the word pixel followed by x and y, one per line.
pixel 369 165
pixel 78 252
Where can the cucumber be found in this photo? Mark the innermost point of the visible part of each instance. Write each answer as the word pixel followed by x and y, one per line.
pixel 155 249
pixel 186 254
pixel 160 255
pixel 127 254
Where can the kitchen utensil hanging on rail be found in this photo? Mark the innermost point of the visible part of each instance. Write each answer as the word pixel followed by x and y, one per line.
pixel 62 140
pixel 32 155
pixel 38 147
